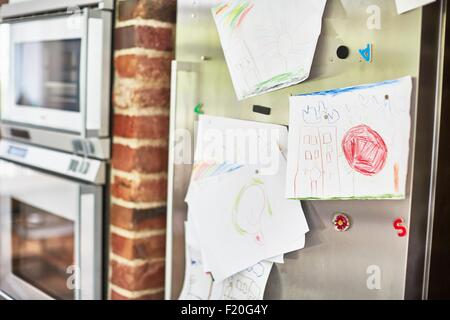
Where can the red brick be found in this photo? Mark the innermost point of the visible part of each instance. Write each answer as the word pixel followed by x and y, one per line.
pixel 145 96
pixel 138 219
pixel 162 10
pixel 136 278
pixel 155 296
pixel 144 160
pixel 144 248
pixel 142 82
pixel 144 37
pixel 156 70
pixel 141 127
pixel 150 190
pixel 3 2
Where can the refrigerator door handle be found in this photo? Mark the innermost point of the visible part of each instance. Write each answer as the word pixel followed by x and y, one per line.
pixel 177 67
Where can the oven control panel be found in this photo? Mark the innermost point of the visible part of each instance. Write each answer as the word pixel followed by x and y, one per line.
pixel 74 166
pixel 17 151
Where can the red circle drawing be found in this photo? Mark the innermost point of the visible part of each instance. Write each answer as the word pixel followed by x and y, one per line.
pixel 365 150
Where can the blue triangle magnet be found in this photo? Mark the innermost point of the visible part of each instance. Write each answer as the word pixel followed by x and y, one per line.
pixel 366 53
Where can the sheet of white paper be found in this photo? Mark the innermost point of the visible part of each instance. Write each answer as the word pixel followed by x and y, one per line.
pixel 193 241
pixel 350 143
pixel 268 44
pixel 197 284
pixel 224 145
pixel 249 284
pixel 408 5
pixel 277 259
pixel 242 218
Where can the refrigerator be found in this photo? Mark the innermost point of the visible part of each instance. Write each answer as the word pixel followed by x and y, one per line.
pixel 371 260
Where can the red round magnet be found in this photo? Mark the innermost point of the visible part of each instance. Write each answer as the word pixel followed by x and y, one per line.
pixel 341 222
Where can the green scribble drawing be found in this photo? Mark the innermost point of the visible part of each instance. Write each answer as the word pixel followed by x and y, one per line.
pixel 234 12
pixel 238 216
pixel 280 80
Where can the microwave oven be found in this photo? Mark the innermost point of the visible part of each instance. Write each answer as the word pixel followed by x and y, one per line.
pixel 55 76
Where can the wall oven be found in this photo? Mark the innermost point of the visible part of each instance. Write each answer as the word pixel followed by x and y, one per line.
pixel 55 74
pixel 50 224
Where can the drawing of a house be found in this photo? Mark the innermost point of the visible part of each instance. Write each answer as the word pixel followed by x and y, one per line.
pixel 319 156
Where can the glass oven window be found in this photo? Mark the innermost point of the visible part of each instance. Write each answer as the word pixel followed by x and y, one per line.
pixel 47 74
pixel 42 249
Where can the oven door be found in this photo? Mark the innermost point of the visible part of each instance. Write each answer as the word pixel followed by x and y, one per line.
pixel 45 78
pixel 50 236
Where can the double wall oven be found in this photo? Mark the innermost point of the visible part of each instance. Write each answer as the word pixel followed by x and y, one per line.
pixel 55 147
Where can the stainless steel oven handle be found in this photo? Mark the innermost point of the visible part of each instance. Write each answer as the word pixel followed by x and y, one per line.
pixel 47 7
pixel 89 244
pixel 84 73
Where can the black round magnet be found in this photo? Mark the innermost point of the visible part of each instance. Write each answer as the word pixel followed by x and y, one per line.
pixel 343 52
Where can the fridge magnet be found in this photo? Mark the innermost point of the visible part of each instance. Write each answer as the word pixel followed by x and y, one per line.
pixel 402 231
pixel 341 222
pixel 350 143
pixel 343 52
pixel 268 45
pixel 199 109
pixel 367 53
pixel 262 110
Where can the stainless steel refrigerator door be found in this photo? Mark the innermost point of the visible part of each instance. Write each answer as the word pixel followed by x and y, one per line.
pixel 333 265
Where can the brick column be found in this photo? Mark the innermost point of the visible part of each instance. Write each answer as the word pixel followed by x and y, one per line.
pixel 144 40
pixel 3 2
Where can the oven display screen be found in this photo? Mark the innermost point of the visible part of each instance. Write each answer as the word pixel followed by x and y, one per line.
pixel 47 74
pixel 18 152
